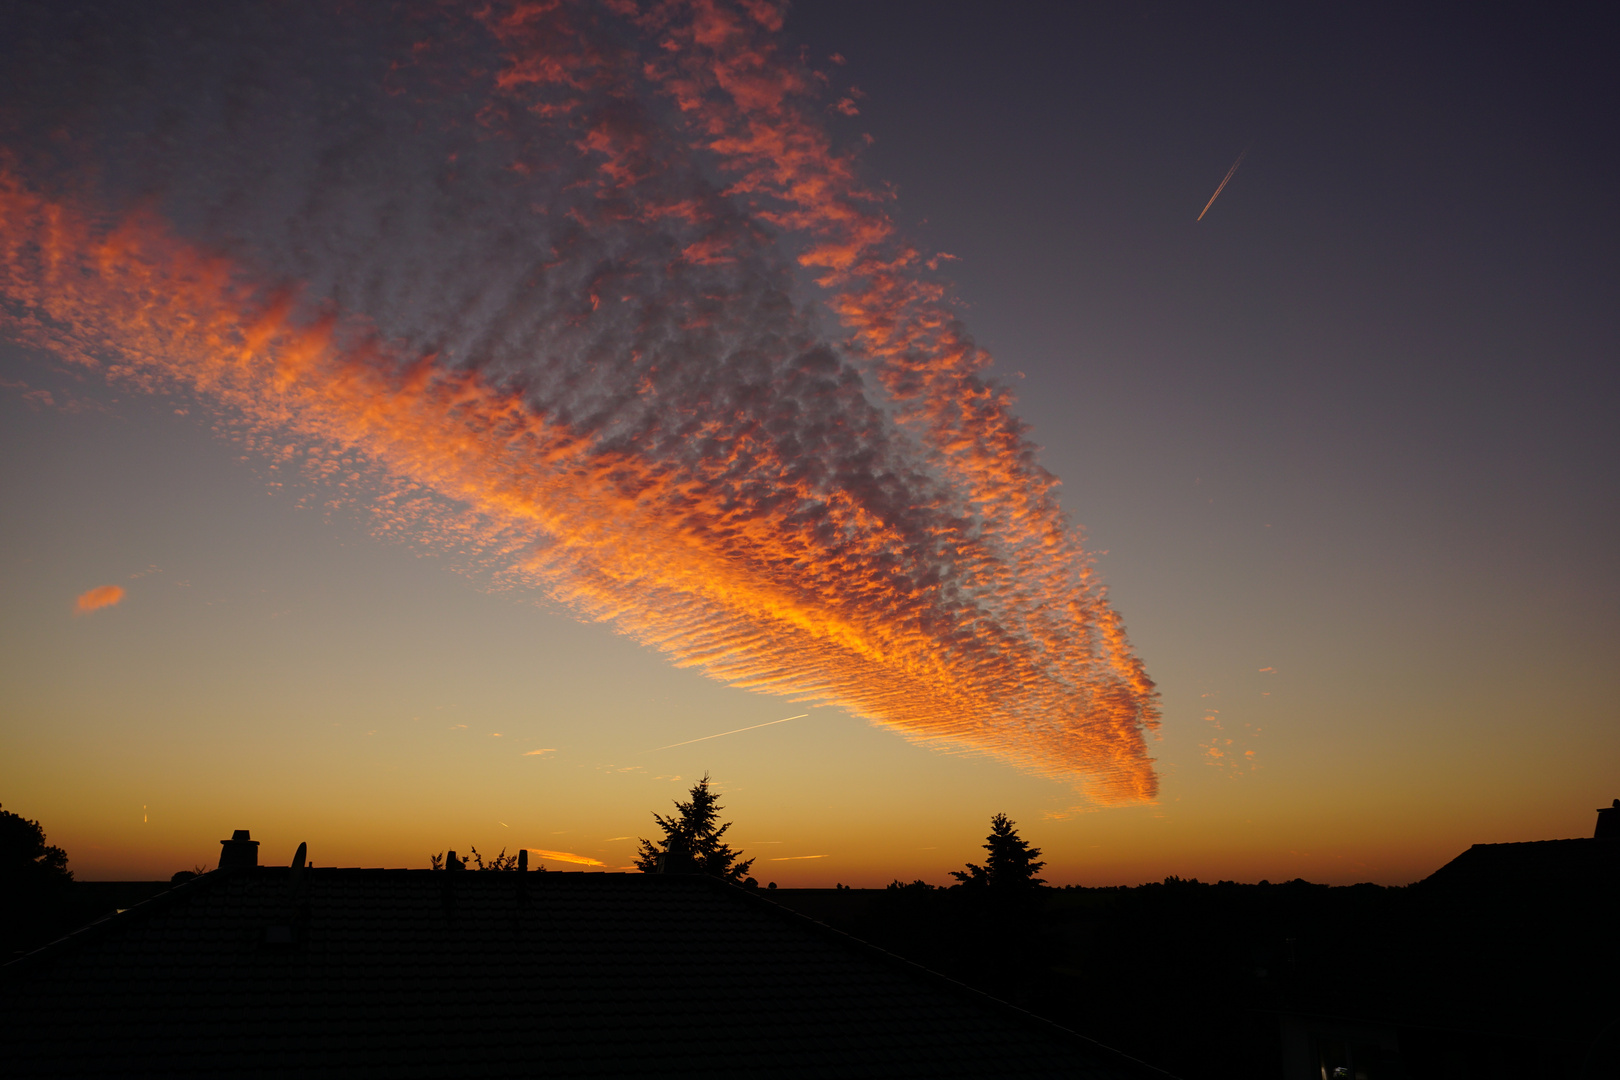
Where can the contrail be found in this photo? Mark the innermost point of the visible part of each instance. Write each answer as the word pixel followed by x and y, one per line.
pixel 734 731
pixel 1222 188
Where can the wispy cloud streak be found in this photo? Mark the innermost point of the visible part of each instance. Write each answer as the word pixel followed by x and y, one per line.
pixel 1224 181
pixel 733 731
pixel 554 330
pixel 567 857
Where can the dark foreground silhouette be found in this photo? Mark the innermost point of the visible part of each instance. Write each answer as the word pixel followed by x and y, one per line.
pixel 1502 964
pixel 299 970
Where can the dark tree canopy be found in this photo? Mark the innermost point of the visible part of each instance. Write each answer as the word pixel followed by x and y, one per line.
pixel 26 861
pixel 694 841
pixel 35 886
pixel 1012 864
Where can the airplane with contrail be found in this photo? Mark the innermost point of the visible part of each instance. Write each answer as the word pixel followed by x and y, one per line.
pixel 733 731
pixel 1224 182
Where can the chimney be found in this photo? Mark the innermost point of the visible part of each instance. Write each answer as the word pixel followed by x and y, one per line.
pixel 1608 826
pixel 238 851
pixel 677 857
pixel 523 859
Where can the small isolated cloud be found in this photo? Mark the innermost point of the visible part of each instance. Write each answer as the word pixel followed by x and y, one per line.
pixel 1268 671
pixel 610 839
pixel 101 596
pixel 542 751
pixel 1224 751
pixel 566 856
pixel 795 858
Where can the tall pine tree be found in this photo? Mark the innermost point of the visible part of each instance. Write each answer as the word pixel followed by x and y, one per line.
pixel 694 841
pixel 1012 864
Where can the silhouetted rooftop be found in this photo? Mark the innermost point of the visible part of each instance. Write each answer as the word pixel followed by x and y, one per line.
pixel 1541 864
pixel 422 973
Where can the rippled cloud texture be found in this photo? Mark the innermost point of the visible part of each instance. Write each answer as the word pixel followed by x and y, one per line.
pixel 597 294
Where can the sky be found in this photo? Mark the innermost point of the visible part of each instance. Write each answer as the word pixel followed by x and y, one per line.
pixel 414 426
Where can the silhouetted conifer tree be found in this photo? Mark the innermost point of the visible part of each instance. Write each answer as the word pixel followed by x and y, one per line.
pixel 693 840
pixel 1012 864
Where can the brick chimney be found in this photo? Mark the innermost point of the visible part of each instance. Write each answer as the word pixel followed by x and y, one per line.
pixel 240 850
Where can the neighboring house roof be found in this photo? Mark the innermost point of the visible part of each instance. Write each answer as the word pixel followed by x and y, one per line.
pixel 1537 864
pixel 398 973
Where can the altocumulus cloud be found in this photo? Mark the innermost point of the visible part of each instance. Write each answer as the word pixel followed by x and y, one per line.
pixel 592 296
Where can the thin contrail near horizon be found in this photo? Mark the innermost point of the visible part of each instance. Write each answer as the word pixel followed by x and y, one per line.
pixel 1224 182
pixel 733 731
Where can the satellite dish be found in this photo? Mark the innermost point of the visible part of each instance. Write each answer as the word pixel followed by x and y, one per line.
pixel 297 874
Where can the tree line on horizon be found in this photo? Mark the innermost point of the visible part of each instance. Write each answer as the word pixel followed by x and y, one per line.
pixel 694 842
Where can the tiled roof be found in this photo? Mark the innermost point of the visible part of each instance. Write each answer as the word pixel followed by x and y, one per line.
pixel 1539 864
pixel 406 973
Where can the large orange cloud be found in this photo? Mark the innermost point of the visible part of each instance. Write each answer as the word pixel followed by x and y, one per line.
pixel 587 364
pixel 99 597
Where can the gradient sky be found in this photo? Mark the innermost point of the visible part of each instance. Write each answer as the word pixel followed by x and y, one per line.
pixel 1343 451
